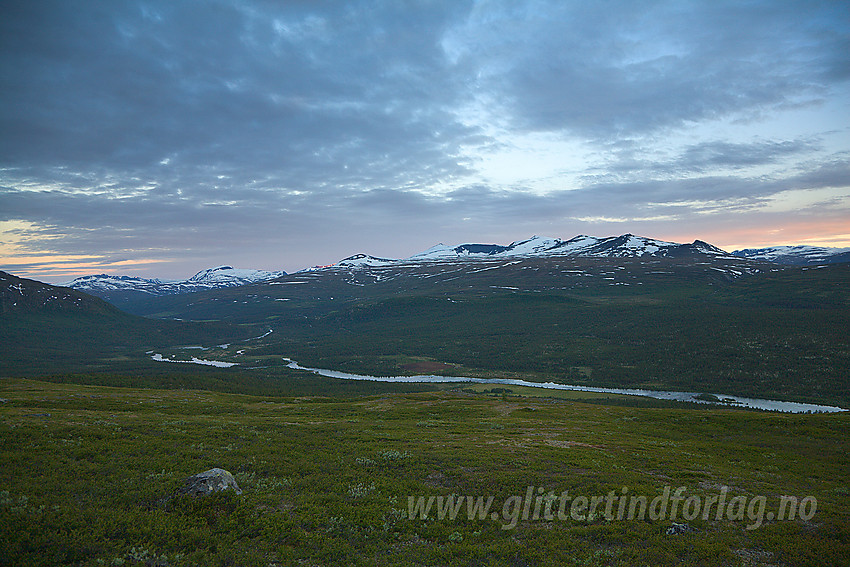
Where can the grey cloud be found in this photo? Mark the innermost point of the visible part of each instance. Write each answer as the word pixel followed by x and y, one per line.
pixel 124 87
pixel 630 161
pixel 736 155
pixel 313 129
pixel 834 172
pixel 605 69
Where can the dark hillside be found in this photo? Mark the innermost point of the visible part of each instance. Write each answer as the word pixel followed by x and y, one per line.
pixel 45 328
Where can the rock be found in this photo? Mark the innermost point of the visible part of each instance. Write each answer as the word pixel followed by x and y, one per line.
pixel 678 529
pixel 209 482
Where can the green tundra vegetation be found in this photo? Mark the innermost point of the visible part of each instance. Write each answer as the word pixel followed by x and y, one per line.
pixel 96 437
pixel 89 476
pixel 775 335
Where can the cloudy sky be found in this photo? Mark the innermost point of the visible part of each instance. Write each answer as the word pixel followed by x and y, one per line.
pixel 161 137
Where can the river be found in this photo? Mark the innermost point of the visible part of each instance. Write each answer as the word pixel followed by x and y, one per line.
pixel 728 399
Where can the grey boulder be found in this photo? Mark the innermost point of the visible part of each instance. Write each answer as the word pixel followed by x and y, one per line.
pixel 679 529
pixel 209 482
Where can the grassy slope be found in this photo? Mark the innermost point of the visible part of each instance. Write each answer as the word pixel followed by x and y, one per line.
pixel 85 470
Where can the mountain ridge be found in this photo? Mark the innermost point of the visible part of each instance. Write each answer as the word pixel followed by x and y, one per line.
pixel 123 289
pixel 21 295
pixel 210 278
pixel 626 245
pixel 800 255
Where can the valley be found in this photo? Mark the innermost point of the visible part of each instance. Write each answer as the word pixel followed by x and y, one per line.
pixel 737 328
pixel 114 407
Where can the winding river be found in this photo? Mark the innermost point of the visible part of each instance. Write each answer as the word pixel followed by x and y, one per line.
pixel 728 400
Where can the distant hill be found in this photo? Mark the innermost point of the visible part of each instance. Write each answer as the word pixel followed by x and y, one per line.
pixel 123 291
pixel 797 255
pixel 19 296
pixel 45 328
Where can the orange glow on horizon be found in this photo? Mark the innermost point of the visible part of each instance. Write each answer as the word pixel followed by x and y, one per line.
pixel 830 233
pixel 61 268
pixel 759 232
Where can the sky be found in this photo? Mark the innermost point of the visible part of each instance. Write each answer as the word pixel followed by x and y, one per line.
pixel 162 137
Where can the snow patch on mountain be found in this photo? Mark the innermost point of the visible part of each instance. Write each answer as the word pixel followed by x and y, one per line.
pixel 710 249
pixel 233 276
pixel 104 282
pixel 212 278
pixel 576 245
pixel 796 255
pixel 360 260
pixel 624 246
pixel 629 246
pixel 21 295
pixel 534 245
pixel 437 252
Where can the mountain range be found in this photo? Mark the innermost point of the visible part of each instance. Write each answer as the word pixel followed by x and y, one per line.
pixel 797 255
pixel 211 278
pixel 127 292
pixel 123 290
pixel 625 246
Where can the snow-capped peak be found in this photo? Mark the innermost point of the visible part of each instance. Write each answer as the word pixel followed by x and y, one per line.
pixel 534 245
pixel 626 245
pixel 364 260
pixel 220 276
pixel 707 248
pixel 630 245
pixel 105 282
pixel 437 252
pixel 797 255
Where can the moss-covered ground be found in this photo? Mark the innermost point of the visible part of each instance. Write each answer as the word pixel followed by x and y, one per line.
pixel 87 475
